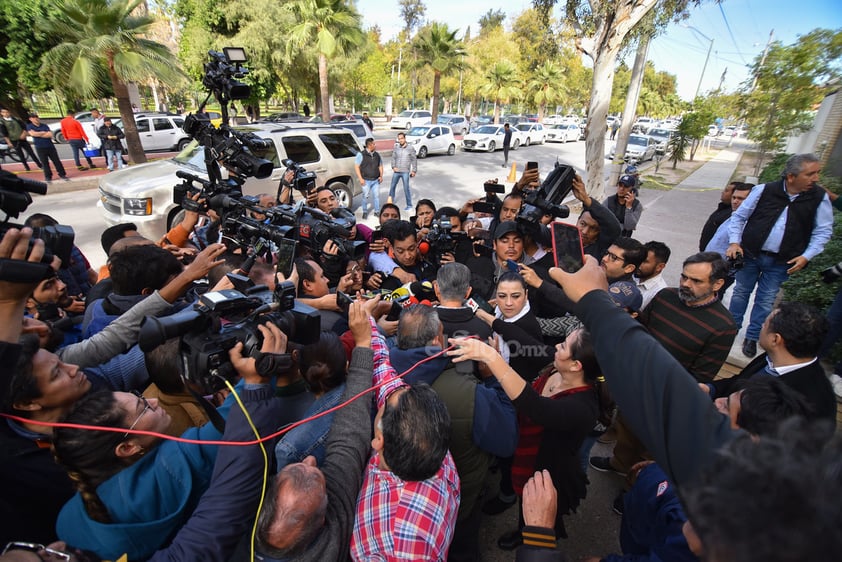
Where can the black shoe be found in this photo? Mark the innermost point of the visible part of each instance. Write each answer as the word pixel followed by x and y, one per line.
pixel 603 464
pixel 749 347
pixel 510 540
pixel 81 168
pixel 504 164
pixel 497 505
pixel 619 503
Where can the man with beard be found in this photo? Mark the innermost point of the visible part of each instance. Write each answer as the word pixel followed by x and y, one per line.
pixel 707 329
pixel 695 327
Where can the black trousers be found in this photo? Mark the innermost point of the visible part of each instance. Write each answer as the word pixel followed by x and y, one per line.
pixel 23 148
pixel 505 154
pixel 47 153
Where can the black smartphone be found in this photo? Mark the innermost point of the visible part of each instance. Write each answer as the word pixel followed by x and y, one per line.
pixel 286 256
pixel 343 301
pixel 483 250
pixel 531 165
pixel 485 207
pixel 376 235
pixel 491 187
pixel 567 247
pixel 511 265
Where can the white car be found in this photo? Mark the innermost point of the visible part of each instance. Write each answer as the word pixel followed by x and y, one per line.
pixel 552 120
pixel 564 133
pixel 410 118
pixel 639 149
pixel 489 138
pixel 644 123
pixel 662 138
pixel 458 124
pixel 532 133
pixel 432 139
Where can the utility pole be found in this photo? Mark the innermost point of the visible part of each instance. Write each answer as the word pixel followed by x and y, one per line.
pixel 762 60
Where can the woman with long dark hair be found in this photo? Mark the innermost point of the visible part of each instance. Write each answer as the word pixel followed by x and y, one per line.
pixel 555 413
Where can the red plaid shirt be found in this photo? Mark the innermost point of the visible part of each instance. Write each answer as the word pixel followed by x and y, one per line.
pixel 403 520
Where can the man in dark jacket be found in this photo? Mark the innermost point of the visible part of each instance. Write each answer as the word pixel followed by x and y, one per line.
pixel 778 229
pixel 791 336
pixel 110 134
pixel 716 218
pixel 12 132
pixel 597 225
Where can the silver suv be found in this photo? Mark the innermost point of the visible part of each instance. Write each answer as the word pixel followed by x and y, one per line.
pixel 143 194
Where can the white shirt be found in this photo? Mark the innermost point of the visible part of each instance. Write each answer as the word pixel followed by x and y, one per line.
pixel 650 288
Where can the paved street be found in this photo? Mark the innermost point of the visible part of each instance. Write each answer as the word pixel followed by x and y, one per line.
pixel 675 217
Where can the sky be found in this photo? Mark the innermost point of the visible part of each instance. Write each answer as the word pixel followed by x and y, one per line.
pixel 739 30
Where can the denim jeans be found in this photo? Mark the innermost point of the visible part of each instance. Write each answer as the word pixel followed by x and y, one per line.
pixel 311 437
pixel 371 187
pixel 767 273
pixel 78 145
pixel 110 155
pixel 405 177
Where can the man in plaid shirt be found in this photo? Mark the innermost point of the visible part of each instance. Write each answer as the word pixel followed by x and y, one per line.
pixel 410 496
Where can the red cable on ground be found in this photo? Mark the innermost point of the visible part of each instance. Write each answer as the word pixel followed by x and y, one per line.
pixel 237 443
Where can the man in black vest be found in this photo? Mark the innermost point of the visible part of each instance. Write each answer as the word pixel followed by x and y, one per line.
pixel 777 230
pixel 369 168
pixel 791 336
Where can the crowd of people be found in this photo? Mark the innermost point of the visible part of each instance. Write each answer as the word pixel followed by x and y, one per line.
pixel 143 419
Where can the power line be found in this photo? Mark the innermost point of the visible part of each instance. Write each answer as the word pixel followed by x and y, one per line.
pixel 731 33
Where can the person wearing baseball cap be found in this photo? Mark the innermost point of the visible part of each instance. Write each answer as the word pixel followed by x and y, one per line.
pixel 624 204
pixel 626 295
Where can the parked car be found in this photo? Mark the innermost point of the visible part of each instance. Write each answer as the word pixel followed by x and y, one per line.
pixel 565 132
pixel 532 133
pixel 84 118
pixel 489 138
pixel 143 194
pixel 359 128
pixel 713 131
pixel 644 124
pixel 457 123
pixel 410 118
pixel 160 131
pixel 432 139
pixel 481 120
pixel 552 120
pixel 285 117
pixel 639 149
pixel 662 138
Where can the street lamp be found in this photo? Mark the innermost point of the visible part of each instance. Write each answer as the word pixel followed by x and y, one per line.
pixel 707 58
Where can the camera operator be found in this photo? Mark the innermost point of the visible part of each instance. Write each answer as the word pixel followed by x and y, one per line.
pixel 464 245
pixel 507 245
pixel 404 243
pixel 313 284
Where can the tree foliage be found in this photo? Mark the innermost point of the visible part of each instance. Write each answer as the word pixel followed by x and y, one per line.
pixel 501 85
pixel 102 42
pixel 412 14
pixel 491 20
pixel 784 87
pixel 437 46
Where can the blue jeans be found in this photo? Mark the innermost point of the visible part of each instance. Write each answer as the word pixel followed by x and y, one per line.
pixel 78 145
pixel 110 155
pixel 768 274
pixel 311 437
pixel 405 177
pixel 371 187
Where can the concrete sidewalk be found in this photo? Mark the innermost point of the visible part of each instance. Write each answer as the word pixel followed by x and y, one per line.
pixel 677 217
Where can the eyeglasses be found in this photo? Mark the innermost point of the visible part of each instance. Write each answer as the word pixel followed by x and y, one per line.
pixel 614 257
pixel 37 549
pixel 146 406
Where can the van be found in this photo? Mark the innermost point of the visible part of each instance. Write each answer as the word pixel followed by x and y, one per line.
pixel 410 118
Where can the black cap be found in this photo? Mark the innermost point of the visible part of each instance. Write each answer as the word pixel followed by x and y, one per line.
pixel 504 228
pixel 626 180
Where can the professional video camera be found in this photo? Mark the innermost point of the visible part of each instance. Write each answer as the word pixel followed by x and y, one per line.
pixel 441 239
pixel 316 227
pixel 233 149
pixel 222 71
pixel 303 181
pixel 205 339
pixel 58 240
pixel 546 200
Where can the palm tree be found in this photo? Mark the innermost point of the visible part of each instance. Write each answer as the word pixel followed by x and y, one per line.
pixel 102 42
pixel 332 26
pixel 501 84
pixel 547 87
pixel 437 46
